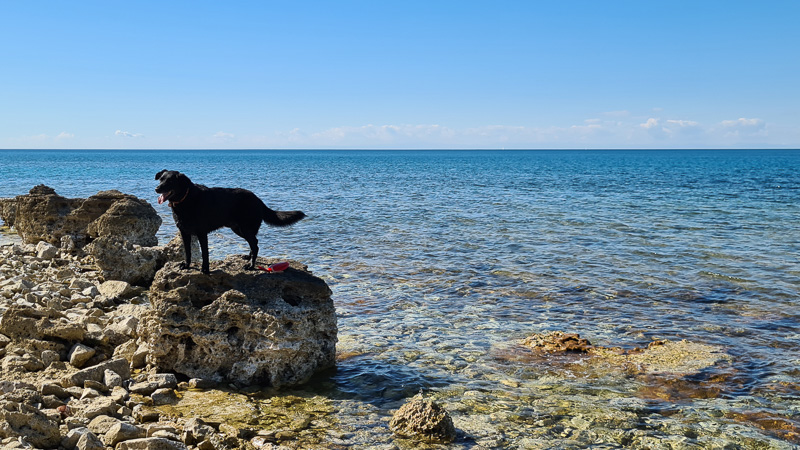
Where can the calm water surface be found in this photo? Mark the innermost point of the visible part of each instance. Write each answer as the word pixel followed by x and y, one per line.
pixel 439 260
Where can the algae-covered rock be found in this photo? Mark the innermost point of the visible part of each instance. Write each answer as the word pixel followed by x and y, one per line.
pixel 556 342
pixel 671 357
pixel 425 419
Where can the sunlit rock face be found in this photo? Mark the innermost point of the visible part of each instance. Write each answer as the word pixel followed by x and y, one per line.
pixel 240 326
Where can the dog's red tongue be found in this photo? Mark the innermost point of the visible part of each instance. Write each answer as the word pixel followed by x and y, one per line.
pixel 161 199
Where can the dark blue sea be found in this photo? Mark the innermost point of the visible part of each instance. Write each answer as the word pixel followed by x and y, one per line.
pixel 441 260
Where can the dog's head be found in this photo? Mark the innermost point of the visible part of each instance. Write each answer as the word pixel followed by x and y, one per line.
pixel 173 186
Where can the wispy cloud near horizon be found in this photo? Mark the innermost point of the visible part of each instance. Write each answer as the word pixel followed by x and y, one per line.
pixel 127 134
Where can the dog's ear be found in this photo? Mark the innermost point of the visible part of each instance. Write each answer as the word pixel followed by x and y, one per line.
pixel 158 175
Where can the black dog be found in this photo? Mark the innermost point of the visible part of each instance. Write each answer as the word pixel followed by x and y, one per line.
pixel 199 210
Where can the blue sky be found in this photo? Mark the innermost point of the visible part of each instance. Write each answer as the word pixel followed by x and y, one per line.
pixel 410 74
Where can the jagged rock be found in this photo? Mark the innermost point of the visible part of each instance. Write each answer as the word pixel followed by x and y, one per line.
pixel 21 419
pixel 93 407
pixel 120 366
pixel 8 210
pixel 121 260
pixel 164 396
pixel 425 419
pixel 116 289
pixel 20 322
pixel 101 424
pixel 151 443
pixel 43 215
pixel 71 439
pixel 45 250
pixel 49 357
pixel 111 379
pixel 89 441
pixel 557 342
pixel 122 431
pixel 248 327
pixel 129 219
pixel 79 354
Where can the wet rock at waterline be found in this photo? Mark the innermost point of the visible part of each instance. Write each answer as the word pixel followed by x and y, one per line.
pixel 658 357
pixel 556 342
pixel 423 419
pixel 240 326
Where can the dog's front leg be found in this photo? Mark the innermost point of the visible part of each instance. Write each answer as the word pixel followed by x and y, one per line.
pixel 186 237
pixel 203 239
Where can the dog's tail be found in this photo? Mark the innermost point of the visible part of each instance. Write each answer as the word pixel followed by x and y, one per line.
pixel 281 218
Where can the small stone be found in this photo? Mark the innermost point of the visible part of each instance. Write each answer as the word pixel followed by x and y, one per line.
pixel 202 383
pixel 423 419
pixel 139 358
pixel 172 436
pixel 89 441
pixel 101 424
pixel 159 427
pixel 67 244
pixel 151 443
pixel 206 445
pixel 80 284
pixel 99 406
pixel 90 393
pixel 143 415
pixel 119 394
pixel 71 439
pixel 123 431
pixel 49 357
pixel 164 396
pixel 111 379
pixel 115 289
pixel 164 380
pixel 79 354
pixel 90 292
pixel 143 388
pixel 46 251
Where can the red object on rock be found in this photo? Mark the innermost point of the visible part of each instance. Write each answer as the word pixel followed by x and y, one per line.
pixel 276 268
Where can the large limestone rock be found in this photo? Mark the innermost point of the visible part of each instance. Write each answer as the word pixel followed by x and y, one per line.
pixel 124 261
pixel 247 327
pixel 43 215
pixel 136 264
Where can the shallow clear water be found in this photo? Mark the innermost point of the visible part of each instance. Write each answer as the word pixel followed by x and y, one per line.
pixel 439 260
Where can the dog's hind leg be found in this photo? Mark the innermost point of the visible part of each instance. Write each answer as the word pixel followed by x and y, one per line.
pixel 253 242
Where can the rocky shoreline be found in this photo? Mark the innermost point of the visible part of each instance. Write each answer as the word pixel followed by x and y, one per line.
pixel 98 330
pixel 75 370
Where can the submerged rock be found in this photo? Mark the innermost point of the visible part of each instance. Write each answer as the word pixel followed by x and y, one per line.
pixel 557 342
pixel 234 325
pixel 421 418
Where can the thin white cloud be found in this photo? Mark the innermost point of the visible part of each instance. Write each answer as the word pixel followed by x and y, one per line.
pixel 683 123
pixel 65 135
pixel 743 123
pixel 222 135
pixel 651 123
pixel 744 129
pixel 127 134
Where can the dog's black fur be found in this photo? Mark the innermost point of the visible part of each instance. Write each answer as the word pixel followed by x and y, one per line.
pixel 199 210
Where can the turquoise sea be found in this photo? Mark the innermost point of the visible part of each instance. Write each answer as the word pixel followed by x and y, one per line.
pixel 440 260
